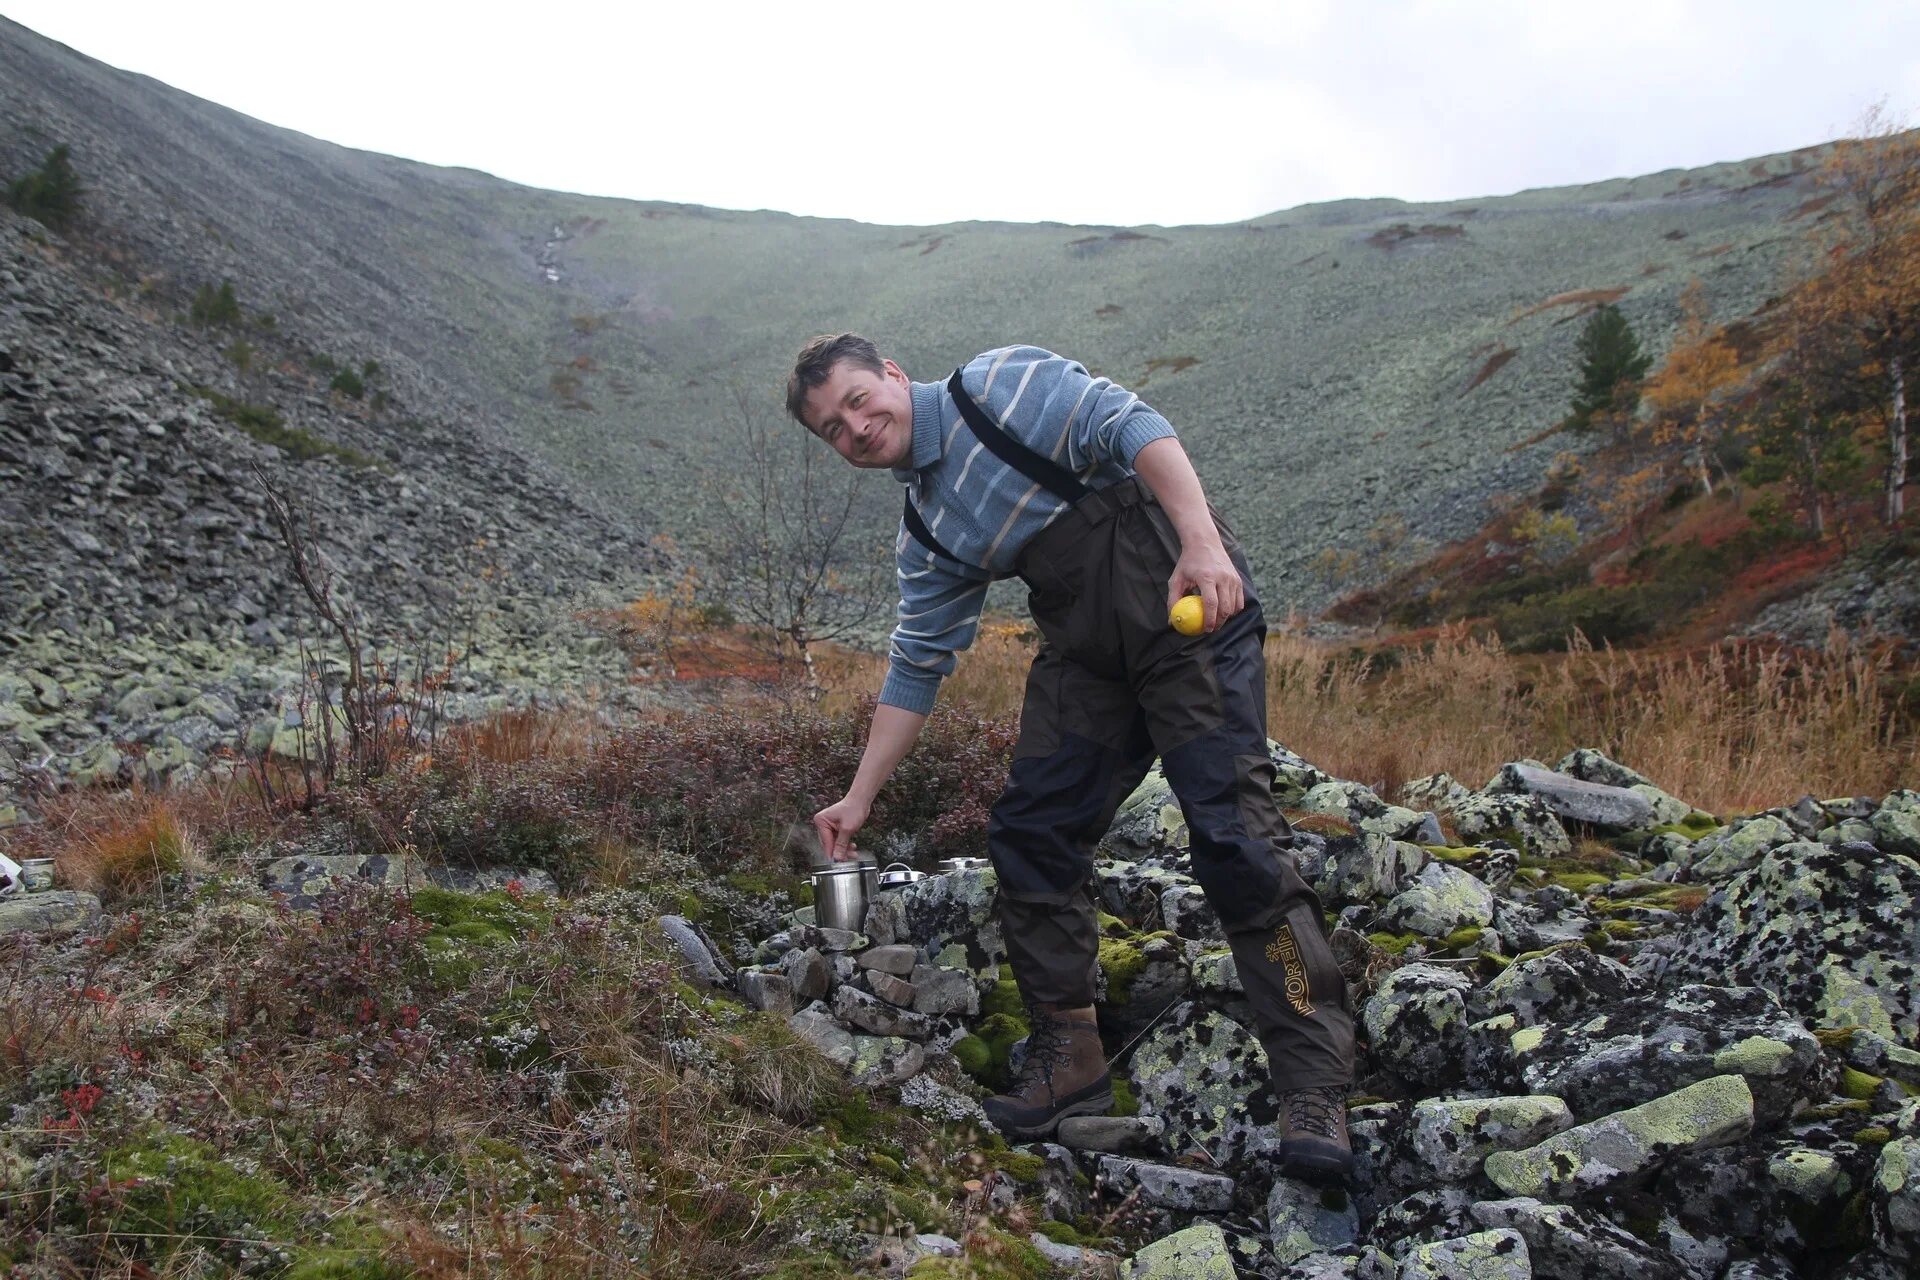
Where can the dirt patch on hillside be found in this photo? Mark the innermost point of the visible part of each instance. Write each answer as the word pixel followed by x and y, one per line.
pixel 1495 362
pixel 1402 234
pixel 1584 300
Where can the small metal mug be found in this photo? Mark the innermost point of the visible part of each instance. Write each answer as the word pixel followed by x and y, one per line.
pixel 950 865
pixel 841 893
pixel 36 875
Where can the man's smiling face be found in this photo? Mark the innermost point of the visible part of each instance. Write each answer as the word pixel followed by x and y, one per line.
pixel 867 417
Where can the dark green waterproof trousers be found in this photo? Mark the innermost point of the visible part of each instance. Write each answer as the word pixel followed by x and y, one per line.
pixel 1112 687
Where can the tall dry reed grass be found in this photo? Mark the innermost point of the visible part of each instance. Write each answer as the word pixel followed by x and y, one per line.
pixel 1732 728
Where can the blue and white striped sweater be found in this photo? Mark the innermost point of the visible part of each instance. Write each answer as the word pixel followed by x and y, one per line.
pixel 984 511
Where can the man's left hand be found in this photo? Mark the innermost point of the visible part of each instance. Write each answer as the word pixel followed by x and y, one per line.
pixel 1205 570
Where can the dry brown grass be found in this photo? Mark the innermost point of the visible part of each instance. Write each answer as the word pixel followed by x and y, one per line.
pixel 1731 728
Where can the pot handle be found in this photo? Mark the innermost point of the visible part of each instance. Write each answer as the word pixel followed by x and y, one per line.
pixel 891 865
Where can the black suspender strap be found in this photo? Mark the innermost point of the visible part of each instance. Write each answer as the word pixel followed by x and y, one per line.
pixel 918 528
pixel 1043 471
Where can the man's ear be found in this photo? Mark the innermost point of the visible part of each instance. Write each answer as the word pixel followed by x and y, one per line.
pixel 894 371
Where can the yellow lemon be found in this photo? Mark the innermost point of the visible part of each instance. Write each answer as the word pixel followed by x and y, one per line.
pixel 1188 616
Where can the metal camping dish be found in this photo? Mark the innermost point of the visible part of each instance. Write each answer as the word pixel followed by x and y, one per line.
pixel 899 873
pixel 950 865
pixel 841 892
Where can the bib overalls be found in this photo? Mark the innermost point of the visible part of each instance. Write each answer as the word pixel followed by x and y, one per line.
pixel 1112 687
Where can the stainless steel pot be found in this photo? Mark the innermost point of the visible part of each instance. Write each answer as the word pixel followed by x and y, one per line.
pixel 841 893
pixel 899 873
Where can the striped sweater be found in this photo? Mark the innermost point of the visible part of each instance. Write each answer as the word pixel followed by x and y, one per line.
pixel 984 511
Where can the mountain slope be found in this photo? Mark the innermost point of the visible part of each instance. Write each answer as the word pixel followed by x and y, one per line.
pixel 1329 366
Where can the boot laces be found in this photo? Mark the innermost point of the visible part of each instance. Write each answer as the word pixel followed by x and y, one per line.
pixel 1319 1112
pixel 1047 1046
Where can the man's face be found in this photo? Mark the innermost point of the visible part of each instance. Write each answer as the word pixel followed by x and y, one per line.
pixel 867 417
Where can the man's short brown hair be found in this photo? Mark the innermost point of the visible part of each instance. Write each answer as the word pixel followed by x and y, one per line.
pixel 816 363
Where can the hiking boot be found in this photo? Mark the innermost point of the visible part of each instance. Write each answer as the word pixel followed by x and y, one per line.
pixel 1313 1134
pixel 1063 1074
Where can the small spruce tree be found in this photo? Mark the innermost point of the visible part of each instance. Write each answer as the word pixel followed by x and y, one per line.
pixel 50 193
pixel 1611 366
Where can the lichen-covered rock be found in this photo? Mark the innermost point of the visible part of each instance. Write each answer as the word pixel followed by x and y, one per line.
pixel 1555 986
pixel 1435 791
pixel 1439 900
pixel 306 878
pixel 1895 1190
pixel 1644 1046
pixel 1739 846
pixel 1416 1024
pixel 1364 867
pixel 938 991
pixel 1431 1213
pixel 1147 821
pixel 895 958
pixel 949 917
pixel 809 971
pixel 766 989
pixel 869 1013
pixel 1828 930
pixel 699 959
pixel 1897 830
pixel 1595 803
pixel 48 911
pixel 1627 1147
pixel 1133 890
pixel 1349 801
pixel 1566 1242
pixel 817 1026
pixel 1206 1077
pixel 1550 916
pixel 1216 971
pixel 1590 765
pixel 1450 1137
pixel 1304 1220
pixel 878 1061
pixel 1484 1255
pixel 1198 1253
pixel 1120 1135
pixel 1167 1186
pixel 1492 866
pixel 1293 776
pixel 1185 910
pixel 1524 820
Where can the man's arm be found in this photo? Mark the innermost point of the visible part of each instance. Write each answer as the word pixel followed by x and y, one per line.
pixel 889 738
pixel 1204 566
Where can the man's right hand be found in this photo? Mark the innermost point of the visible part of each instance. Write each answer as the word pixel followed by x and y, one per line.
pixel 836 824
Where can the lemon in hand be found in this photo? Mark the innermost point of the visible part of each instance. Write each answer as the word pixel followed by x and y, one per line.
pixel 1188 616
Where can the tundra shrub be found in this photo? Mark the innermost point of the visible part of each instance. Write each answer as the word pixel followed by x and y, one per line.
pixel 50 193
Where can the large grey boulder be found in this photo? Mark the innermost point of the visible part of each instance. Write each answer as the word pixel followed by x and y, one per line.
pixel 1361 868
pixel 1627 1147
pixel 1525 820
pixel 699 960
pixel 1555 986
pixel 1206 1077
pixel 1167 1186
pixel 1484 1255
pixel 1594 803
pixel 1450 1137
pixel 1303 1220
pixel 877 1017
pixel 1198 1253
pixel 950 918
pixel 1416 1024
pixel 1645 1046
pixel 1830 931
pixel 1566 1242
pixel 1439 900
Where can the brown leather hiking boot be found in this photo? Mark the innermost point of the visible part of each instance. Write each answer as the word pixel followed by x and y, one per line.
pixel 1063 1074
pixel 1313 1134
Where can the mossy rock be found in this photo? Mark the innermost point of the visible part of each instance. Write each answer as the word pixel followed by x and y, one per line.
pixel 1859 1085
pixel 1124 1101
pixel 1003 997
pixel 1461 939
pixel 1393 943
pixel 990 1255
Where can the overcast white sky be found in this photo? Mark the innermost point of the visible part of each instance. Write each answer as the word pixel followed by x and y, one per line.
pixel 1101 111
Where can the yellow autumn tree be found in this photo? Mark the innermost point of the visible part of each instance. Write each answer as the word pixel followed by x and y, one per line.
pixel 1869 283
pixel 1686 394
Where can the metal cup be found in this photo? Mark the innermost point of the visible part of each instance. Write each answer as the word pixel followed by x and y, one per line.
pixel 841 893
pixel 950 865
pixel 36 875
